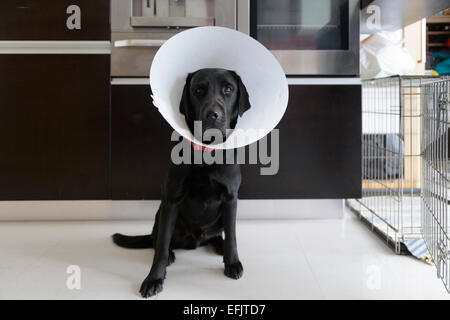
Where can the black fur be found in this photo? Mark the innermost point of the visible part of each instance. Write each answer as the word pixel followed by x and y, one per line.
pixel 198 201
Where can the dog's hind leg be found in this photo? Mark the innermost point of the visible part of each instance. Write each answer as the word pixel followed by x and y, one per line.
pixel 217 243
pixel 171 257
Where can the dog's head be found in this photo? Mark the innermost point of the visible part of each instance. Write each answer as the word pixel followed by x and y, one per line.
pixel 216 97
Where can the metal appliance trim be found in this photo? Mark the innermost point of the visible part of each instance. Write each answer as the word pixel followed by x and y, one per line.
pixel 138 43
pixel 130 81
pixel 163 22
pixel 126 17
pixel 55 47
pixel 133 47
pixel 314 62
pixel 243 16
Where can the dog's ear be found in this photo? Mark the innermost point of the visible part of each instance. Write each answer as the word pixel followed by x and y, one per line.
pixel 184 103
pixel 243 101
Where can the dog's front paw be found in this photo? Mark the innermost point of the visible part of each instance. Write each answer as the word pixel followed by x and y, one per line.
pixel 150 287
pixel 234 270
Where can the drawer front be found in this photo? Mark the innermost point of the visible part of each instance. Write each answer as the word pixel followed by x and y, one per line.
pixel 54 128
pixel 320 147
pixel 54 20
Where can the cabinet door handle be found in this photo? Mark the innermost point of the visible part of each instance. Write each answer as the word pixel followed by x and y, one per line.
pixel 138 43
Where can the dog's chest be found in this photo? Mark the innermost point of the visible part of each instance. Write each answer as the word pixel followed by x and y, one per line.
pixel 204 195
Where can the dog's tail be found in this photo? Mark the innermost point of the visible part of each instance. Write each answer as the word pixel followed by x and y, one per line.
pixel 133 242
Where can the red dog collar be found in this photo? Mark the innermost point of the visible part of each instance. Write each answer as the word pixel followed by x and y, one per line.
pixel 202 148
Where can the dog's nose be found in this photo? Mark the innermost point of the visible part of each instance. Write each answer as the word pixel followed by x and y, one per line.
pixel 212 113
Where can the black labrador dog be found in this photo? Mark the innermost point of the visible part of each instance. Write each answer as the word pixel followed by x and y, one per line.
pixel 198 200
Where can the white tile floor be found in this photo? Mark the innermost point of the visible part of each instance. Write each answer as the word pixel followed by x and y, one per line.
pixel 283 259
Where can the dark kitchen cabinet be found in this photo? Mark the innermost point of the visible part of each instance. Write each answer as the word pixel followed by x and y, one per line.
pixel 320 146
pixel 54 20
pixel 54 126
pixel 140 144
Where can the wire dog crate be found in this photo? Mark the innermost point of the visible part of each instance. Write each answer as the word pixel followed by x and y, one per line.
pixel 435 174
pixel 405 194
pixel 390 202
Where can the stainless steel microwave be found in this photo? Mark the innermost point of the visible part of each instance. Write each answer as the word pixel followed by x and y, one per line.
pixel 308 37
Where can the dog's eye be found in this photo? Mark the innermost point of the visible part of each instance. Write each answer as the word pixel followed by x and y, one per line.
pixel 228 89
pixel 199 91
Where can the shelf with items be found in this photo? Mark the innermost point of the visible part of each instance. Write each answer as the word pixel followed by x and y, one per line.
pixel 438 43
pixel 438 31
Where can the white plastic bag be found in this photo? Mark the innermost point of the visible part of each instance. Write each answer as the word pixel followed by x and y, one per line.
pixel 382 54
